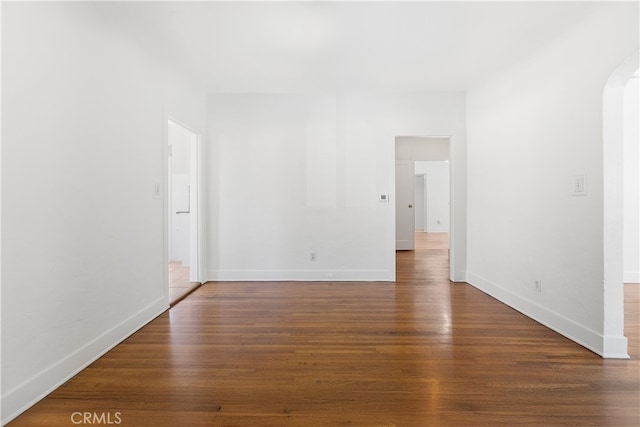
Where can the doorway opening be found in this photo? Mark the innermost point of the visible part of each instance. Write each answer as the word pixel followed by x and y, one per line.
pixel 615 130
pixel 422 197
pixel 432 196
pixel 183 246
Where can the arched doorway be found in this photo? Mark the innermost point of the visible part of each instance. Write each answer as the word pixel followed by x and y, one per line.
pixel 615 343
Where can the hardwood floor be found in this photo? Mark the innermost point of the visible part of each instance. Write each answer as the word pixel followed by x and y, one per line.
pixel 420 352
pixel 179 285
pixel 431 241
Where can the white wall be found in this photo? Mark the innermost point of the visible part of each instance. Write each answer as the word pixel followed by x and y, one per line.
pixel 322 161
pixel 531 129
pixel 631 166
pixel 420 148
pixel 180 179
pixel 83 114
pixel 437 195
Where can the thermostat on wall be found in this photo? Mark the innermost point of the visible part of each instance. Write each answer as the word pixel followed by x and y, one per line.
pixel 384 198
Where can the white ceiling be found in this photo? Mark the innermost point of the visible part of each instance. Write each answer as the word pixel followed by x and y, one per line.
pixel 320 46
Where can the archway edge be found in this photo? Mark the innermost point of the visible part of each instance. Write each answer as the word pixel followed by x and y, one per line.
pixel 614 341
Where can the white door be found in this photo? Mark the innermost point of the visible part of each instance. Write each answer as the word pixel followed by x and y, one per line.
pixel 420 206
pixel 180 218
pixel 405 194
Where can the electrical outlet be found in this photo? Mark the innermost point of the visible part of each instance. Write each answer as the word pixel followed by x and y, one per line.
pixel 579 185
pixel 538 285
pixel 313 256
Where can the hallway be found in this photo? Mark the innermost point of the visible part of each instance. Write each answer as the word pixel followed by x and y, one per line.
pixel 423 351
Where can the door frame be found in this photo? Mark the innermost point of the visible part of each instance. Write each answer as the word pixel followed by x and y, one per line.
pixel 195 229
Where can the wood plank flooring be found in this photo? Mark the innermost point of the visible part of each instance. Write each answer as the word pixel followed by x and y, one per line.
pixel 420 352
pixel 179 285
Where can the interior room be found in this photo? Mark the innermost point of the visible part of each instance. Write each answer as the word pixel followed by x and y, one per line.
pixel 260 147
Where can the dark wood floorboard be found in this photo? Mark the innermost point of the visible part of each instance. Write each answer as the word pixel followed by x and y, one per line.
pixel 420 352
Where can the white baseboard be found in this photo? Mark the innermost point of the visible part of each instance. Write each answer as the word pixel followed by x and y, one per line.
pixel 631 277
pixel 605 346
pixel 301 275
pixel 32 390
pixel 615 347
pixel 458 276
